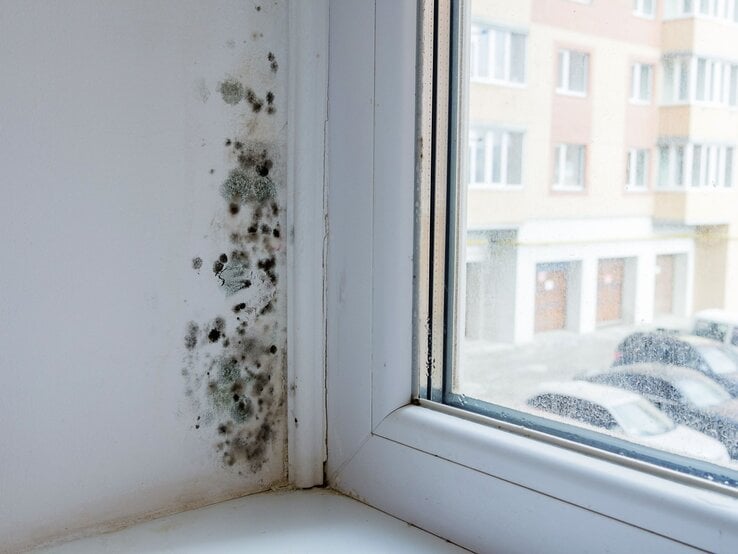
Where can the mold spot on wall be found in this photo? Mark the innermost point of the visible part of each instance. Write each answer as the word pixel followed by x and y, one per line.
pixel 196 262
pixel 231 90
pixel 256 102
pixel 270 102
pixel 272 62
pixel 234 363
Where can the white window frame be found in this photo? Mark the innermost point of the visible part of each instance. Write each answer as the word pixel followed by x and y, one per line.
pixel 563 75
pixel 720 88
pixel 491 51
pixel 635 83
pixel 631 180
pixel 709 158
pixel 639 11
pixel 482 485
pixel 560 151
pixel 487 132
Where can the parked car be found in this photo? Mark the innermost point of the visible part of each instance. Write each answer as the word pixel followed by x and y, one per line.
pixel 687 396
pixel 719 325
pixel 624 414
pixel 714 359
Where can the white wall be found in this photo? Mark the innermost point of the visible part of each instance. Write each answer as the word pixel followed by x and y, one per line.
pixel 112 153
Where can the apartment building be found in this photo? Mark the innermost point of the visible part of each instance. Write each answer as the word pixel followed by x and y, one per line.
pixel 601 164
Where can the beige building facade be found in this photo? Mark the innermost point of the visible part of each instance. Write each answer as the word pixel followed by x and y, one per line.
pixel 601 181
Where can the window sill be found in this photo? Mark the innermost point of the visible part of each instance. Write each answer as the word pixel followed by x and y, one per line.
pixel 495 187
pixel 572 93
pixel 560 188
pixel 642 15
pixel 668 505
pixel 498 82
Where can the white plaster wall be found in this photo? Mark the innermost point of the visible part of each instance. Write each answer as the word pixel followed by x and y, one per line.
pixel 112 155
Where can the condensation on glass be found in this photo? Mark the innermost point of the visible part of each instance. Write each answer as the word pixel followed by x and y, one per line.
pixel 595 239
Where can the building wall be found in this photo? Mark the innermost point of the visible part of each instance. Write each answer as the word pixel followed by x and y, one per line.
pixel 122 128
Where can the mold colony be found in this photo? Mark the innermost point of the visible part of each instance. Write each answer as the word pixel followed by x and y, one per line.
pixel 234 363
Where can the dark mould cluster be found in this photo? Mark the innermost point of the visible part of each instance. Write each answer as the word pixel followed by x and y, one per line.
pixel 272 62
pixel 234 362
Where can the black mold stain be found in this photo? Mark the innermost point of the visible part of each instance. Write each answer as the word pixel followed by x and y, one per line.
pixel 256 102
pixel 191 336
pixel 196 262
pixel 243 186
pixel 270 102
pixel 234 372
pixel 272 62
pixel 232 91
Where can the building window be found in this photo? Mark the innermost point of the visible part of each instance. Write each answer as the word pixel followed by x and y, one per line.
pixel 497 54
pixel 570 167
pixel 700 79
pixel 644 8
pixel 720 9
pixel 636 174
pixel 641 83
pixel 700 165
pixel 573 72
pixel 496 157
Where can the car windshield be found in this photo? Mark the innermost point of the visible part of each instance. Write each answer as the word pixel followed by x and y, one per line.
pixel 710 329
pixel 702 394
pixel 641 419
pixel 719 361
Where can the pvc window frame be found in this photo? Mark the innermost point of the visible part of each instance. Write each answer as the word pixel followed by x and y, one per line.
pixel 482 484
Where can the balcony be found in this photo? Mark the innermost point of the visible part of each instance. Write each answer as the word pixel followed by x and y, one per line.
pixel 697 206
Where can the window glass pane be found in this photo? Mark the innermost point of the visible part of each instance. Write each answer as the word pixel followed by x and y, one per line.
pixel 645 83
pixel 500 54
pixel 515 159
pixel 728 167
pixel 683 79
pixel 578 71
pixel 696 165
pixel 563 279
pixel 664 166
pixel 701 79
pixel 679 166
pixel 517 58
pixel 496 156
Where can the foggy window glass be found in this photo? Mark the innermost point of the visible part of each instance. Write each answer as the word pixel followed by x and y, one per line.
pixel 560 271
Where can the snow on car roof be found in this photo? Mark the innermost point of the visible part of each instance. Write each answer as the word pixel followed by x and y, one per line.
pixel 656 369
pixel 599 394
pixel 718 316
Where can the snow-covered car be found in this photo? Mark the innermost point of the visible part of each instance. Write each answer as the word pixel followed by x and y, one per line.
pixel 708 356
pixel 719 325
pixel 623 414
pixel 685 395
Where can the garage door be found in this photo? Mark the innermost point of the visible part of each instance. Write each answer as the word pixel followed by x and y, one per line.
pixel 551 283
pixel 610 274
pixel 664 295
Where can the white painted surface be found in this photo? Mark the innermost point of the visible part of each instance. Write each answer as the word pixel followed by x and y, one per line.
pixel 110 125
pixel 304 522
pixel 307 98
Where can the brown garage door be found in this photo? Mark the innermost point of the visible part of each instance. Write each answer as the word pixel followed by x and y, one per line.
pixel 610 274
pixel 551 283
pixel 664 296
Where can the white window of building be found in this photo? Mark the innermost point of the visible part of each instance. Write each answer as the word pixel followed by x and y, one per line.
pixel 644 8
pixel 641 83
pixel 497 54
pixel 636 174
pixel 700 165
pixel 570 165
pixel 700 79
pixel 573 72
pixel 676 79
pixel 719 9
pixel 496 157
